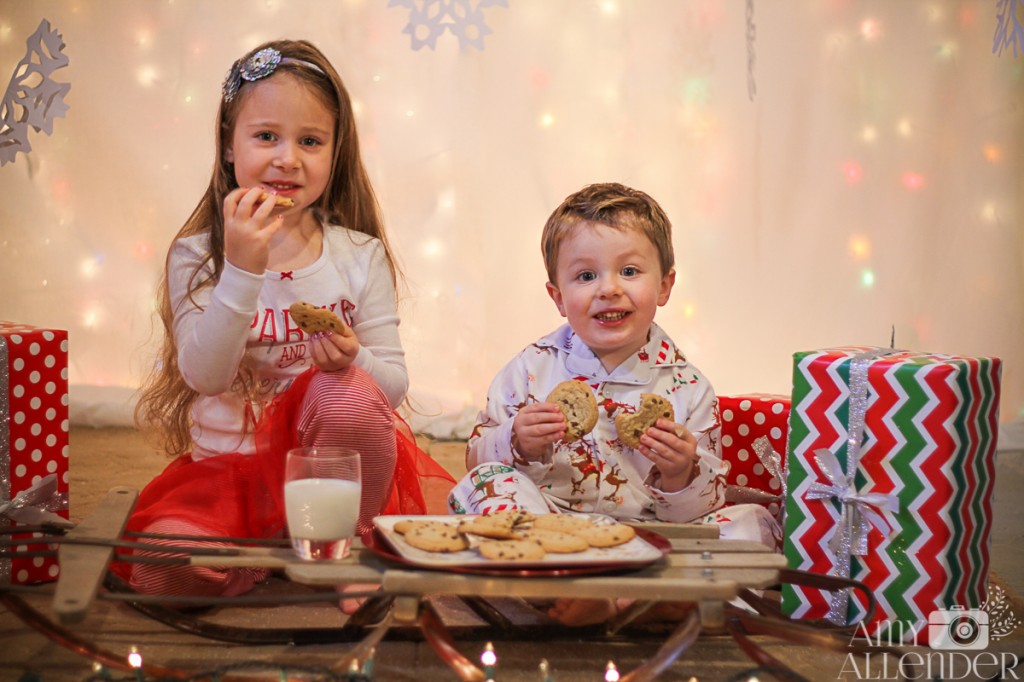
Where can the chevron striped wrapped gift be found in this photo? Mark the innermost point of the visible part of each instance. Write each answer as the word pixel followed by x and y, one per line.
pixel 891 459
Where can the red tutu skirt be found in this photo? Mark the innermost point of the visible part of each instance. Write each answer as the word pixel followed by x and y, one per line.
pixel 242 496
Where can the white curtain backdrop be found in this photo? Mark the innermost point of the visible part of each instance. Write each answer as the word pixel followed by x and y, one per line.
pixel 834 170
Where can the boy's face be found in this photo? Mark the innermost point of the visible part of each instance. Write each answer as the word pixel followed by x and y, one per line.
pixel 609 285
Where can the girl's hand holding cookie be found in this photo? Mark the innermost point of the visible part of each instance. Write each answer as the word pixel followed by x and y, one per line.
pixel 248 228
pixel 333 343
pixel 536 428
pixel 673 450
pixel 333 351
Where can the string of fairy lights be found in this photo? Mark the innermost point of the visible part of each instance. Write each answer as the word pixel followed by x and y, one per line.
pixel 357 672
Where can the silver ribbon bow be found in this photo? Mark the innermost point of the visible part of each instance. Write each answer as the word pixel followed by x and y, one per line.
pixel 859 510
pixel 35 505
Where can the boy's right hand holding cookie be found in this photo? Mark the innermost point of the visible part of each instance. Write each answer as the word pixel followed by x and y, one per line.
pixel 568 414
pixel 535 429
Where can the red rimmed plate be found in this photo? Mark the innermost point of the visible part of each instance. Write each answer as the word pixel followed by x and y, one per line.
pixel 643 550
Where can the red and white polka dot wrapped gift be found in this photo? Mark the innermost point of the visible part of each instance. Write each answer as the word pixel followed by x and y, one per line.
pixel 745 419
pixel 33 440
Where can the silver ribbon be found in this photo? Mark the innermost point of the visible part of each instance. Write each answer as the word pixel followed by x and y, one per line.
pixel 772 463
pixel 35 505
pixel 745 494
pixel 859 511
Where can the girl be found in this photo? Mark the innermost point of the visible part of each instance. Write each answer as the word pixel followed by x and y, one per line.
pixel 289 216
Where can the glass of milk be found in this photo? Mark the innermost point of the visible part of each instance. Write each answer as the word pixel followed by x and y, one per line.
pixel 322 488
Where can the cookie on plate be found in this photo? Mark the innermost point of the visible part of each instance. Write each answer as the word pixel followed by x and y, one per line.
pixel 498 525
pixel 631 426
pixel 555 541
pixel 312 319
pixel 578 406
pixel 405 525
pixel 610 535
pixel 564 523
pixel 435 538
pixel 511 550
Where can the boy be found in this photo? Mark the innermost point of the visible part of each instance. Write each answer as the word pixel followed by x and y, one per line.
pixel 610 264
pixel 609 259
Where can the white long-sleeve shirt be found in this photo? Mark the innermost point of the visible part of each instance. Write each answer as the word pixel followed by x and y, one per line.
pixel 599 473
pixel 248 313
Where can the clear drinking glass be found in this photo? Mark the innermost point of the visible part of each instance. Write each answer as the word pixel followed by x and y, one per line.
pixel 322 489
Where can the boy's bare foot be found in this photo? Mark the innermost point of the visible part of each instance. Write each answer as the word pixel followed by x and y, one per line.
pixel 578 612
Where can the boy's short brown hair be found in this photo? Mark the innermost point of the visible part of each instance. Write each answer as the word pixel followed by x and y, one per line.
pixel 614 205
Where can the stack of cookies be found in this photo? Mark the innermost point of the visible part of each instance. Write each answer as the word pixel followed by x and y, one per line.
pixel 513 535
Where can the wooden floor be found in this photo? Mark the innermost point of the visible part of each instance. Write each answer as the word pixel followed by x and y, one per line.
pixel 105 458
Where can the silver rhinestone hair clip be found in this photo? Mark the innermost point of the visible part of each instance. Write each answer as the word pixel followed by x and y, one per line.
pixel 259 65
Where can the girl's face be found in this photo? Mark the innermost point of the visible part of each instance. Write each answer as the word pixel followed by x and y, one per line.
pixel 283 140
pixel 609 285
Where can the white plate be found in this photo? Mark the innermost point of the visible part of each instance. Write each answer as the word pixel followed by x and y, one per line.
pixel 639 551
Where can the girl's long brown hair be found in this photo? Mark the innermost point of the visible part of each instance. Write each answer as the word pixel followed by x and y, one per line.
pixel 166 400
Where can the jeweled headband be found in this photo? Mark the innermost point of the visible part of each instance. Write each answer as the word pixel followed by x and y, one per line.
pixel 259 65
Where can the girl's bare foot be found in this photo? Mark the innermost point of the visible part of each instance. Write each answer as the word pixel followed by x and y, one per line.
pixel 350 606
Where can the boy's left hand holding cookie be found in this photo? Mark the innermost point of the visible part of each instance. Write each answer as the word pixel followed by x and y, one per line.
pixel 673 450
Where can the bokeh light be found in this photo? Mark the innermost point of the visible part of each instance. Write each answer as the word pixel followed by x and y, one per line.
pixel 913 181
pixel 946 50
pixel 880 148
pixel 853 172
pixel 146 75
pixel 870 29
pixel 89 268
pixel 989 213
pixel 860 247
pixel 143 250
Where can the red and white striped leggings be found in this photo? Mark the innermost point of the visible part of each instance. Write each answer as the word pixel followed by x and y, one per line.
pixel 340 409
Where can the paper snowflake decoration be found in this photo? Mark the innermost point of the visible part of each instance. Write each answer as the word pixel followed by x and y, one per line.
pixel 1009 26
pixel 32 98
pixel 429 19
